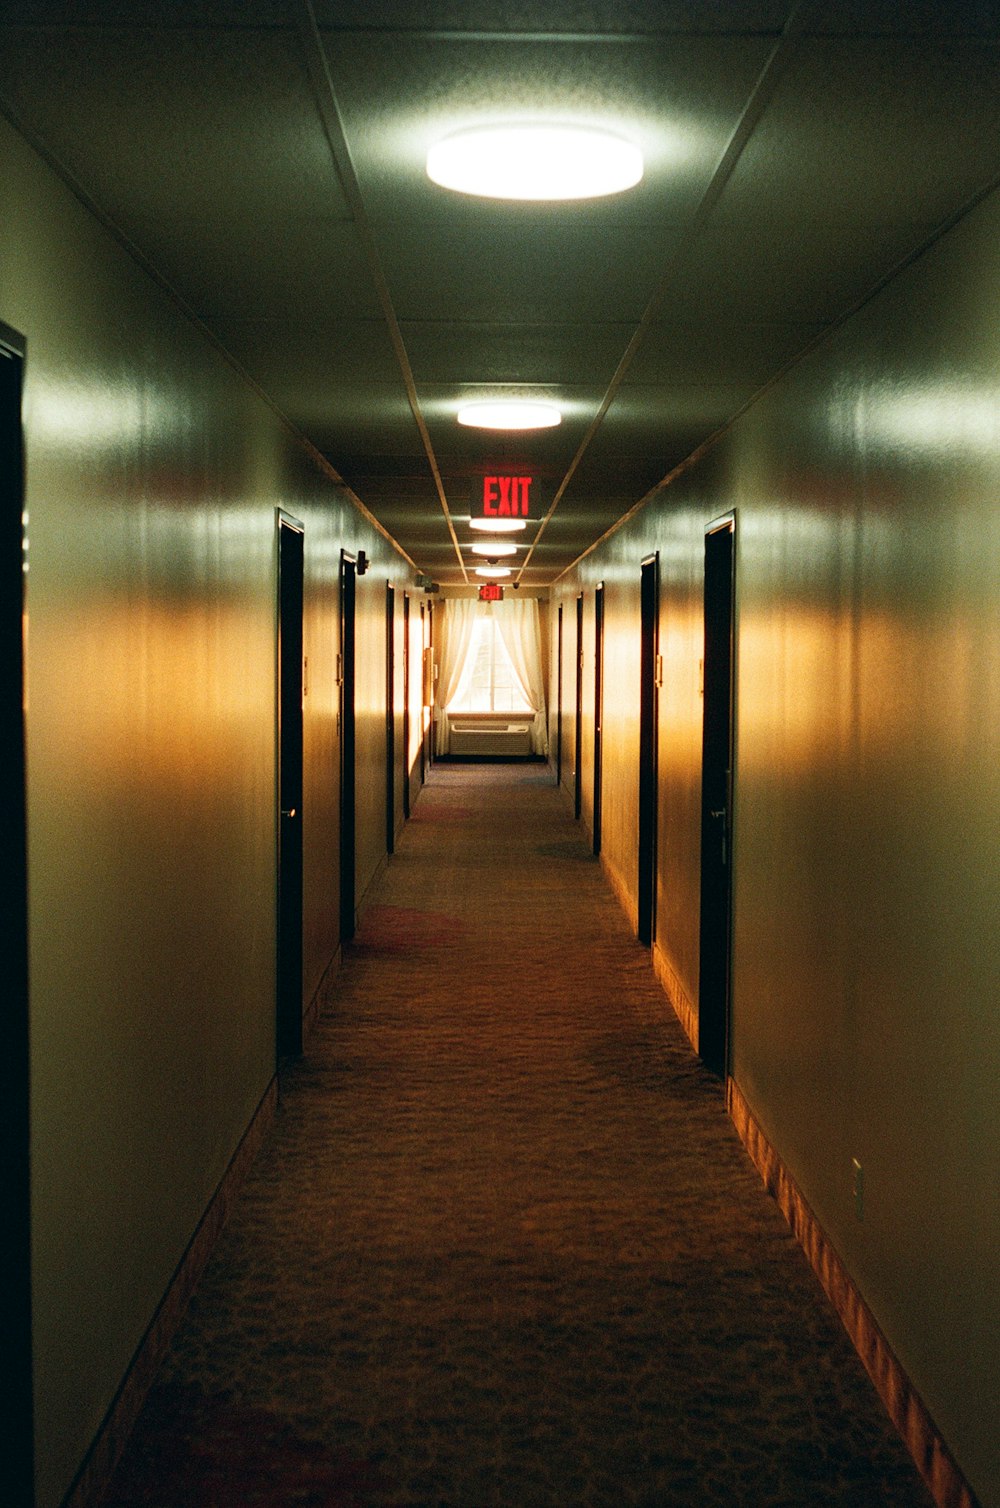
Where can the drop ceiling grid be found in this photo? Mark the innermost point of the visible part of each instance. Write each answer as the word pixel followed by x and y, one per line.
pixel 198 134
pixel 499 272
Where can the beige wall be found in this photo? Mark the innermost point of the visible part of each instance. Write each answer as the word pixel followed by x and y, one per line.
pixel 867 862
pixel 153 475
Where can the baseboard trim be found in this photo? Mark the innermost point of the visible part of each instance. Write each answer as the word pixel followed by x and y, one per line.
pixel 625 900
pixel 682 1006
pixel 322 997
pixel 93 1478
pixel 365 899
pixel 933 1459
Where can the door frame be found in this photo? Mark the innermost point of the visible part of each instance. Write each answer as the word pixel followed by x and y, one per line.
pixel 290 597
pixel 649 718
pixel 598 713
pixel 17 1415
pixel 347 679
pixel 718 792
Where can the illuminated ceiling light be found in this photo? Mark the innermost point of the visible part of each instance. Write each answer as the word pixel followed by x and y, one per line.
pixel 499 525
pixel 493 572
pixel 494 547
pixel 509 413
pixel 535 162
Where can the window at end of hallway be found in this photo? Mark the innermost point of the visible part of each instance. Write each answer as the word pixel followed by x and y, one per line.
pixel 488 682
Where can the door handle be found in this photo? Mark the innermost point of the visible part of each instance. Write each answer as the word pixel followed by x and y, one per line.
pixel 293 812
pixel 721 816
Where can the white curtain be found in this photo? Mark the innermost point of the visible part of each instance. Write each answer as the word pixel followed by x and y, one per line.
pixel 459 621
pixel 518 621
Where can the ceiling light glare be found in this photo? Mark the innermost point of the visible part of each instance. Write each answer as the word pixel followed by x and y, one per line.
pixel 535 162
pixel 494 573
pixel 494 547
pixel 499 525
pixel 509 413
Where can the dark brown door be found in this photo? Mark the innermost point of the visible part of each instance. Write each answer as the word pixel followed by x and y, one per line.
pixel 717 800
pixel 648 747
pixel 348 598
pixel 423 695
pixel 289 697
pixel 390 718
pixel 559 696
pixel 429 653
pixel 578 734
pixel 598 711
pixel 406 706
pixel 16 1429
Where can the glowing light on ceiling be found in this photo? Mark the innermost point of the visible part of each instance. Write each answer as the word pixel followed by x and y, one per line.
pixel 509 413
pixel 535 162
pixel 493 572
pixel 499 525
pixel 494 547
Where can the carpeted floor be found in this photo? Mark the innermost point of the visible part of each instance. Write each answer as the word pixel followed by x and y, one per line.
pixel 502 1248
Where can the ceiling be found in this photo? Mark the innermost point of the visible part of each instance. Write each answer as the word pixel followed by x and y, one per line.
pixel 265 158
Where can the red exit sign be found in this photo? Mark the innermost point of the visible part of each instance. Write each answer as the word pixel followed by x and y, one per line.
pixel 506 496
pixel 491 591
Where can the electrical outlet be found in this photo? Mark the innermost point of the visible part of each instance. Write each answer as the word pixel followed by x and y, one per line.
pixel 859 1188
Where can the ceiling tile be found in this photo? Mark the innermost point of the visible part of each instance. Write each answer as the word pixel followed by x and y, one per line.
pixel 717 353
pixel 873 131
pixel 452 352
pixel 534 277
pixel 309 363
pixel 875 18
pixel 230 275
pixel 194 125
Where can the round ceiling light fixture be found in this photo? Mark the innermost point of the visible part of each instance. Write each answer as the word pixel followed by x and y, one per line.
pixel 494 547
pixel 499 525
pixel 535 162
pixel 493 572
pixel 509 413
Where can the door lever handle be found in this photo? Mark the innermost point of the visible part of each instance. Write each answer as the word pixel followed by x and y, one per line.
pixel 722 815
pixel 291 813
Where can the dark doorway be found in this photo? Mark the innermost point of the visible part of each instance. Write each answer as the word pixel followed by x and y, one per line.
pixel 559 695
pixel 406 707
pixel 578 733
pixel 598 710
pixel 348 598
pixel 648 745
pixel 424 694
pixel 390 718
pixel 429 687
pixel 16 1429
pixel 289 697
pixel 717 799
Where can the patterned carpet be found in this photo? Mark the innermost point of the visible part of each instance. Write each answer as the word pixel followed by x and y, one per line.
pixel 502 1248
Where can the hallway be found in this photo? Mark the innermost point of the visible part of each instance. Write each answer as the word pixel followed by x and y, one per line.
pixel 502 1246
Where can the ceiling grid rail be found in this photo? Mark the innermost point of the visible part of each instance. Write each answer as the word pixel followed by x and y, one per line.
pixel 760 97
pixel 318 69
